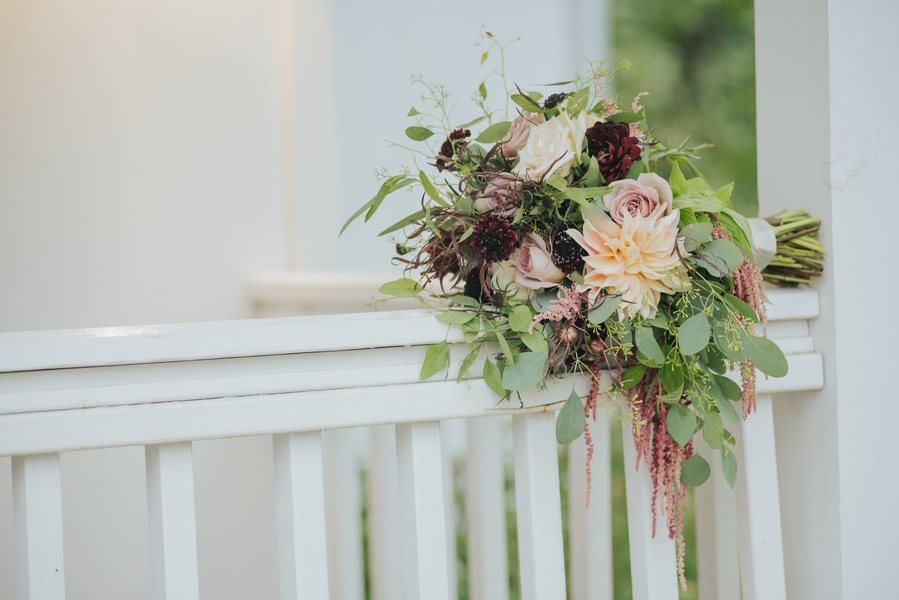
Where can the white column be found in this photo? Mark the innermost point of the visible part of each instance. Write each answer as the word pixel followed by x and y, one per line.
pixel 826 109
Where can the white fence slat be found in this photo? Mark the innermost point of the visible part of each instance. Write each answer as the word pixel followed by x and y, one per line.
pixel 37 507
pixel 540 552
pixel 590 527
pixel 384 516
pixel 653 566
pixel 343 495
pixel 420 469
pixel 488 568
pixel 716 536
pixel 758 507
pixel 455 431
pixel 300 516
pixel 171 510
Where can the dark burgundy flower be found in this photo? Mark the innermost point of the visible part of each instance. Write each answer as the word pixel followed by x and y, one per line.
pixel 615 149
pixel 473 287
pixel 493 238
pixel 553 100
pixel 566 253
pixel 447 149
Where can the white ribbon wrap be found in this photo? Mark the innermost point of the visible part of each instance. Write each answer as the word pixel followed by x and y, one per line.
pixel 765 241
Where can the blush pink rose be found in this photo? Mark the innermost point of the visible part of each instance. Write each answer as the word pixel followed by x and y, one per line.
pixel 518 134
pixel 534 268
pixel 500 195
pixel 648 196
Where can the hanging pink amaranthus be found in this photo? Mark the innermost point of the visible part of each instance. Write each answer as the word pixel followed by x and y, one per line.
pixel 663 457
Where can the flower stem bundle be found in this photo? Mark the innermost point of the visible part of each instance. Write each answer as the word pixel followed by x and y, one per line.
pixel 800 255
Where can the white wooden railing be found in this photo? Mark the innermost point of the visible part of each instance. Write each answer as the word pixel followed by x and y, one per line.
pixel 166 386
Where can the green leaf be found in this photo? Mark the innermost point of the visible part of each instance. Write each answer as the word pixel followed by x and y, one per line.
pixel 455 317
pixel 731 342
pixel 389 186
pixel 482 91
pixel 416 216
pixel 527 372
pixel 729 466
pixel 401 288
pixel 418 133
pixel 677 180
pixel 713 430
pixel 527 103
pixel 631 377
pixel 493 377
pixel 541 301
pixel 726 408
pixel 647 344
pixel 464 301
pixel 767 357
pixel 571 420
pixel 672 377
pixel 602 311
pixel 429 188
pixel 741 308
pixel 494 133
pixel 718 257
pixel 578 195
pixel 520 318
pixel 535 341
pixel 681 423
pixel 729 387
pixel 694 471
pixel 577 101
pixel 484 57
pixel 504 345
pixel 436 359
pixel 412 112
pixel 468 361
pixel 696 234
pixel 693 334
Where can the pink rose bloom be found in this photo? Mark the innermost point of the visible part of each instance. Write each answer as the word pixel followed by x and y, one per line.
pixel 501 193
pixel 648 196
pixel 534 265
pixel 518 135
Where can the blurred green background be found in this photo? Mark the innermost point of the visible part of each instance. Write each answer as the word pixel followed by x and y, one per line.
pixel 696 58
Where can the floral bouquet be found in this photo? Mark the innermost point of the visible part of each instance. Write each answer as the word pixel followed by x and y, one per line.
pixel 564 237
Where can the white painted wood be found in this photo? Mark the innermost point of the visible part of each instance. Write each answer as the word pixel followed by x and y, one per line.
pixel 451 430
pixel 716 535
pixel 343 494
pixel 36 350
pixel 485 509
pixel 254 415
pixel 300 516
pixel 590 527
pixel 37 507
pixel 539 510
pixel 758 507
pixel 171 510
pixel 423 530
pixel 653 565
pixel 384 515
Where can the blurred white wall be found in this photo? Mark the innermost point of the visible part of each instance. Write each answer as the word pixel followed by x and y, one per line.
pixel 155 153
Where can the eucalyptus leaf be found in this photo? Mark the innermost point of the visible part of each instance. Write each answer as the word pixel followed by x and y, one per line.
pixel 767 357
pixel 731 342
pixel 647 344
pixel 541 301
pixel 571 420
pixel 718 257
pixel 418 133
pixel 436 359
pixel 605 309
pixel 527 372
pixel 713 430
pixel 401 288
pixel 494 133
pixel 741 308
pixel 681 423
pixel 729 466
pixel 694 471
pixel 535 341
pixel 455 317
pixel 493 377
pixel 631 377
pixel 696 234
pixel 727 410
pixel 672 377
pixel 520 318
pixel 693 334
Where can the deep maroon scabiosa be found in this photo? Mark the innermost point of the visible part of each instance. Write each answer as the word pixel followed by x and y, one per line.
pixel 458 137
pixel 553 100
pixel 567 254
pixel 473 287
pixel 615 149
pixel 493 238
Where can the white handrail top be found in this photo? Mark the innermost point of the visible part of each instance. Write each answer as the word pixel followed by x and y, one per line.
pixel 108 346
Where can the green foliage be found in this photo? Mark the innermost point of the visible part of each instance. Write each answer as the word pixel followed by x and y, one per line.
pixel 681 423
pixel 571 420
pixel 436 360
pixel 401 288
pixel 694 471
pixel 527 372
pixel 693 334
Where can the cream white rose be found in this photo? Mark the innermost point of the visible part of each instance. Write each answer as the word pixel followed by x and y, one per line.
pixel 552 147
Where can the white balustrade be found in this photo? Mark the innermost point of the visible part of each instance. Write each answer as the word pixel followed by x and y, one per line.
pixel 167 386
